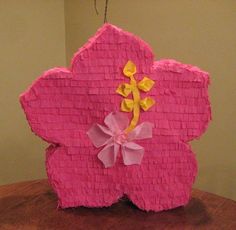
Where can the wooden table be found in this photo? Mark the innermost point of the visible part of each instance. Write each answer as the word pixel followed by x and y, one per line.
pixel 32 205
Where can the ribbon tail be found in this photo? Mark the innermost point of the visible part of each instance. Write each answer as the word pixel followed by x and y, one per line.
pixel 108 154
pixel 132 153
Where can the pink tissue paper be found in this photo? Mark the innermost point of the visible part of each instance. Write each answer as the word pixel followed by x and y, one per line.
pixel 64 103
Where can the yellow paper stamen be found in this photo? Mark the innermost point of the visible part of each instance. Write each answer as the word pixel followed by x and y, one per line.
pixel 146 84
pixel 129 105
pixel 124 89
pixel 129 69
pixel 147 103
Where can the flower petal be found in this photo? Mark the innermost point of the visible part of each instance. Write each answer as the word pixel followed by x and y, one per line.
pixel 132 153
pixel 108 154
pixel 99 135
pixel 116 122
pixel 142 131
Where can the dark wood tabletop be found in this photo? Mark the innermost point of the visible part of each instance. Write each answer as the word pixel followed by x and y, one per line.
pixel 33 205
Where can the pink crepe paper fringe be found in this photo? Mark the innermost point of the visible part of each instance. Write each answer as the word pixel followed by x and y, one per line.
pixel 62 104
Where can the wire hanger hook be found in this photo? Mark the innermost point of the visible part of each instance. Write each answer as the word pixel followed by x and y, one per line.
pixel 105 11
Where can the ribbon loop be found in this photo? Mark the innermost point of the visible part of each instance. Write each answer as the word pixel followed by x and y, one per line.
pixel 146 103
pixel 129 69
pixel 124 89
pixel 127 105
pixel 146 84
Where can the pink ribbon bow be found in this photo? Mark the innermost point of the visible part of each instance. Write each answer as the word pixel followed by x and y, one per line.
pixel 113 137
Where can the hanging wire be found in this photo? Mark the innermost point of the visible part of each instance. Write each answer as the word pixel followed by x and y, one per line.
pixel 95 7
pixel 105 11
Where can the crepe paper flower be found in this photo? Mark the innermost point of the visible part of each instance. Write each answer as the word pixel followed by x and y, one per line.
pixel 62 104
pixel 114 138
pixel 124 89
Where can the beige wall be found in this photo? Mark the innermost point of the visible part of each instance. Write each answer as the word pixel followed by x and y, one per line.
pixel 32 39
pixel 198 32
